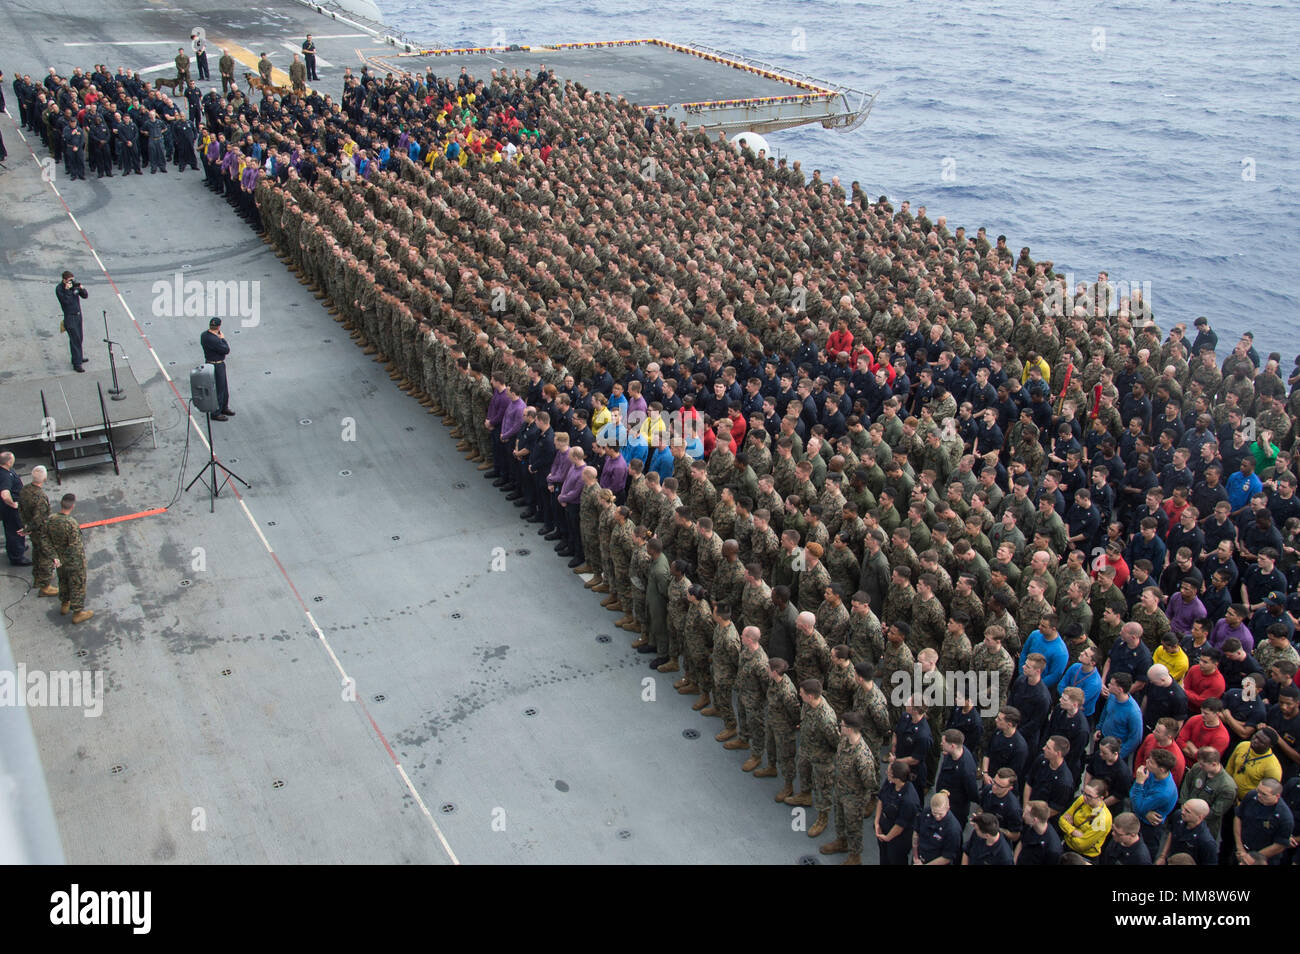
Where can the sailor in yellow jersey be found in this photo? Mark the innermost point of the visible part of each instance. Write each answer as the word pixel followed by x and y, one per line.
pixel 1252 762
pixel 1085 825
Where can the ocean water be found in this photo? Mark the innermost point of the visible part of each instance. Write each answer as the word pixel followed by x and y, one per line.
pixel 1157 140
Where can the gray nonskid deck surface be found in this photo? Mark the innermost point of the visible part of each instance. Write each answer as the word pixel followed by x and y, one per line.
pixel 646 74
pixel 219 689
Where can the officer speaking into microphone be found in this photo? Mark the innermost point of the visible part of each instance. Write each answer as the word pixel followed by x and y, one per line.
pixel 69 294
pixel 215 350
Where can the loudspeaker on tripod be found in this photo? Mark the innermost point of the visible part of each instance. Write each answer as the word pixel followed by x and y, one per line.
pixel 203 389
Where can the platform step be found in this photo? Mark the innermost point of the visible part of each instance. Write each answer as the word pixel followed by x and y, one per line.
pixel 90 460
pixel 79 443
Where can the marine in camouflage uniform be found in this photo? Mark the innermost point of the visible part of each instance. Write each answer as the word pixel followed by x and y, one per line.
pixel 637 494
pixel 34 508
pixel 604 530
pixel 783 710
pixel 724 662
pixel 697 630
pixel 895 659
pixel 898 604
pixel 638 568
pixel 841 683
pixel 869 702
pixel 818 738
pixel 843 565
pixel 813 580
pixel 765 548
pixel 678 606
pixel 729 579
pixel 622 544
pixel 480 397
pixel 751 703
pixel 708 555
pixel 1031 612
pixel 866 637
pixel 1154 623
pixel 955 652
pixel 833 622
pixel 702 497
pixel 589 523
pixel 1001 667
pixel 855 782
pixel 64 536
pixel 724 517
pixel 970 604
pixel 756 606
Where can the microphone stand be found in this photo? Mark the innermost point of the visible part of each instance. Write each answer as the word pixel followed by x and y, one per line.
pixel 117 392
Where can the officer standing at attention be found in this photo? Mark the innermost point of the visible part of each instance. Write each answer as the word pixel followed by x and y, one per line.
pixel 182 66
pixel 64 534
pixel 215 350
pixel 34 508
pixel 74 155
pixel 200 55
pixel 226 66
pixel 309 57
pixel 157 133
pixel 68 292
pixel 11 487
pixel 297 75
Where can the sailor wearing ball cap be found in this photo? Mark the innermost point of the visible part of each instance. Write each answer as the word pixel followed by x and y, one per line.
pixel 215 350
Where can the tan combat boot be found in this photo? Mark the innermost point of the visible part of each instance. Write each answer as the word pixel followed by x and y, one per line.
pixel 670 666
pixel 65 609
pixel 735 744
pixel 594 582
pixel 701 702
pixel 82 615
pixel 803 798
pixel 836 847
pixel 852 860
pixel 769 772
pixel 599 586
pixel 751 763
pixel 819 825
pixel 711 712
pixel 49 589
pixel 638 643
pixel 785 793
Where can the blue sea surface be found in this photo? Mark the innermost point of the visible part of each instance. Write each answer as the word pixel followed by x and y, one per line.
pixel 1156 140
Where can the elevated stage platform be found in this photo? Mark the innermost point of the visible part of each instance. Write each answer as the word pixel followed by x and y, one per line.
pixel 72 403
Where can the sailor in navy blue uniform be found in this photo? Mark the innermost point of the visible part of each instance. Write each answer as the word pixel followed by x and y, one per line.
pixel 215 350
pixel 897 808
pixel 69 292
pixel 987 844
pixel 938 835
pixel 1263 824
pixel 1189 835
